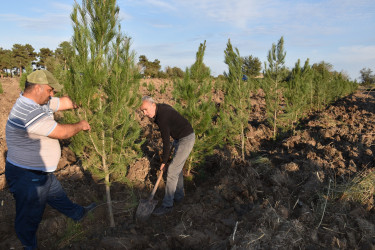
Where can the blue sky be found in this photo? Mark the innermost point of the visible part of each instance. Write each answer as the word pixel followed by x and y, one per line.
pixel 340 32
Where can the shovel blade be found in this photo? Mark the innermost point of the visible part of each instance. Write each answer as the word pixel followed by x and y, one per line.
pixel 145 208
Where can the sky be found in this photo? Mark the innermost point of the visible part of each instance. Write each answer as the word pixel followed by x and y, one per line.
pixel 339 32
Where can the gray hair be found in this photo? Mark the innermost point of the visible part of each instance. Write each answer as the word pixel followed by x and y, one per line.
pixel 148 99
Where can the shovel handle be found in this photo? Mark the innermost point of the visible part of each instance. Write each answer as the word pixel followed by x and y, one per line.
pixel 156 185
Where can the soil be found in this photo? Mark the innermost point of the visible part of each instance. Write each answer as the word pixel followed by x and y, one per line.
pixel 287 195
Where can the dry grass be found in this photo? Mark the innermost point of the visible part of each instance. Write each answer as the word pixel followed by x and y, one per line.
pixel 361 189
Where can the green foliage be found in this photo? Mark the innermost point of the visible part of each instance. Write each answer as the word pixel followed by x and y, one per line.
pixel 6 60
pixel 29 70
pixel 237 104
pixel 53 65
pixel 163 88
pixel 1 88
pixel 150 88
pixel 162 75
pixel 73 233
pixel 297 93
pixel 272 84
pixel 195 104
pixel 367 78
pixel 44 54
pixel 63 52
pixel 104 81
pixel 174 72
pixel 329 85
pixel 199 71
pixel 23 55
pixel 251 66
pixel 149 69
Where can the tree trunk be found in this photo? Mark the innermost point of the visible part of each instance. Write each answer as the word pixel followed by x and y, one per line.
pixel 274 123
pixel 107 180
pixel 242 142
pixel 107 184
pixel 109 200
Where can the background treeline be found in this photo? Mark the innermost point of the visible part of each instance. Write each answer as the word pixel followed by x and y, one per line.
pixel 20 57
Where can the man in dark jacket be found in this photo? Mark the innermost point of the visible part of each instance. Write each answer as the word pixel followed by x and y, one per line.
pixel 171 124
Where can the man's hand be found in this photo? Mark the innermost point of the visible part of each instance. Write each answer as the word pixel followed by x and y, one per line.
pixel 65 131
pixel 85 125
pixel 66 103
pixel 162 166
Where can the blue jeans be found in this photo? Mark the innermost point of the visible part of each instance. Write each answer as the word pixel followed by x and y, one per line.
pixel 174 189
pixel 32 191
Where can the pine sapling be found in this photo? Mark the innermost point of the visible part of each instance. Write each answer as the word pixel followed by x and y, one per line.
pixel 104 81
pixel 272 83
pixel 237 99
pixel 195 103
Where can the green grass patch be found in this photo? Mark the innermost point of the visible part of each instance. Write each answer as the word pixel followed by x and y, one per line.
pixel 73 233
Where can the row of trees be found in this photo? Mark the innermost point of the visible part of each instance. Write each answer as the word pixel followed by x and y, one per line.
pixel 20 57
pixel 289 95
pixel 251 67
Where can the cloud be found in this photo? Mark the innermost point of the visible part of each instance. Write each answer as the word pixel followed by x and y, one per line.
pixel 125 16
pixel 235 12
pixel 161 26
pixel 43 23
pixel 252 14
pixel 356 54
pixel 161 4
pixel 62 7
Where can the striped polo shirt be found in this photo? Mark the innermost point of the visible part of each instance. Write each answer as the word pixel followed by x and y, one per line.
pixel 27 130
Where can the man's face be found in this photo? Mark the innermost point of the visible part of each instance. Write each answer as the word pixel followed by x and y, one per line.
pixel 46 92
pixel 148 109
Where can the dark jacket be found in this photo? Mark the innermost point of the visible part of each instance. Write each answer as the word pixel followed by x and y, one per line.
pixel 170 123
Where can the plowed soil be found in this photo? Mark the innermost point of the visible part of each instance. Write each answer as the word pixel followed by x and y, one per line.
pixel 295 193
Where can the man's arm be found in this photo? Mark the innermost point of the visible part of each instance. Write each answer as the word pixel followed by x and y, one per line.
pixel 65 131
pixel 66 103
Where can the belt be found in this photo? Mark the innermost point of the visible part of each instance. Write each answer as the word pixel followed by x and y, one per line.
pixel 37 171
pixel 30 170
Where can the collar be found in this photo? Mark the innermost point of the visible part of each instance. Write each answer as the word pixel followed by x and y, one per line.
pixel 27 100
pixel 156 111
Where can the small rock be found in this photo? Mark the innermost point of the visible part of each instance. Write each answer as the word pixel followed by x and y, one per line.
pixel 291 167
pixel 368 152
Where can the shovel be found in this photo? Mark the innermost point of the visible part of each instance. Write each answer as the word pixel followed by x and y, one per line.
pixel 146 206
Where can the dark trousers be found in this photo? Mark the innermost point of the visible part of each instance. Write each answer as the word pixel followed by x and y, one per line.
pixel 32 191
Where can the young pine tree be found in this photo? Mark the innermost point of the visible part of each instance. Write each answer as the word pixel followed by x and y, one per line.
pixel 321 83
pixel 195 104
pixel 297 92
pixel 103 80
pixel 273 79
pixel 237 100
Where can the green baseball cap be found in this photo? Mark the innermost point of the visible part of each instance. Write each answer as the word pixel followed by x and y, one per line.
pixel 44 77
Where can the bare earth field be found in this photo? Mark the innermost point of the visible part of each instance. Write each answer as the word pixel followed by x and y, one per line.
pixel 288 195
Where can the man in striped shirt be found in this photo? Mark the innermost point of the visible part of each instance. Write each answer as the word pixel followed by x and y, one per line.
pixel 33 154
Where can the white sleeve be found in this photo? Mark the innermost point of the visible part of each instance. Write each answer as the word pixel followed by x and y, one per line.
pixel 42 127
pixel 54 104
